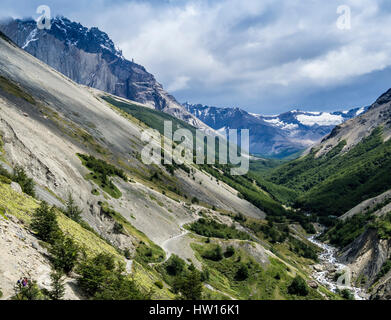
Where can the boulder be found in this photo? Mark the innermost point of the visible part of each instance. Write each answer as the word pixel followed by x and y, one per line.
pixel 313 284
pixel 16 187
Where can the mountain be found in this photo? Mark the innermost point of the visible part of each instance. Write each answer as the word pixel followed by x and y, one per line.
pixel 178 231
pixel 344 182
pixel 89 57
pixel 276 136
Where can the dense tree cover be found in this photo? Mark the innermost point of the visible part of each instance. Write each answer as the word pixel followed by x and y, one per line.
pixel 102 279
pixel 344 232
pixel 211 228
pixel 184 279
pixel 334 183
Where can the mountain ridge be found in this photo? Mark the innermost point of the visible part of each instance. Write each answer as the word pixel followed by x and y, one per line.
pixel 92 59
pixel 279 135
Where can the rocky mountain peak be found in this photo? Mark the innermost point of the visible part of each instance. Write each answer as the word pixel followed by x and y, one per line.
pixel 89 57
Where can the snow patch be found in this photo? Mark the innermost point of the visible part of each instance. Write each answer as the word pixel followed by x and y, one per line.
pixel 324 119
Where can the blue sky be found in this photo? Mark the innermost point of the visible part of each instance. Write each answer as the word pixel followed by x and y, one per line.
pixel 265 56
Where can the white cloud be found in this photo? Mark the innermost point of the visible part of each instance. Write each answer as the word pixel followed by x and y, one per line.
pixel 251 52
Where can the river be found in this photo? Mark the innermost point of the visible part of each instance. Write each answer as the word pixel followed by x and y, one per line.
pixel 330 266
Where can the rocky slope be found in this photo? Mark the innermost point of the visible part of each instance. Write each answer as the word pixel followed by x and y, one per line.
pixel 46 119
pixel 89 57
pixel 276 136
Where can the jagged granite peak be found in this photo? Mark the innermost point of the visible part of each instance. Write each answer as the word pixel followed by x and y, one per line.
pixel 89 57
pixel 277 135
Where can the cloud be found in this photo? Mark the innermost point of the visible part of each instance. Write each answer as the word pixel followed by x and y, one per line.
pixel 262 55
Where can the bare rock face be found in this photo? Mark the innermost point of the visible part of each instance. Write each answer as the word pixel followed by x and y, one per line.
pixel 89 57
pixel 366 255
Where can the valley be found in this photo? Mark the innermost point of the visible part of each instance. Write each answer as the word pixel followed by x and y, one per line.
pixel 82 212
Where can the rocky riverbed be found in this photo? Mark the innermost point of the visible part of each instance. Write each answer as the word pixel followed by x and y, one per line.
pixel 327 270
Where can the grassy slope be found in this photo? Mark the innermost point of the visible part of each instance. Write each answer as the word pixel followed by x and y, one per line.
pixel 22 207
pixel 334 183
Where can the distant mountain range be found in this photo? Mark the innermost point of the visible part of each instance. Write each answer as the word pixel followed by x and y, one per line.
pixel 89 57
pixel 277 135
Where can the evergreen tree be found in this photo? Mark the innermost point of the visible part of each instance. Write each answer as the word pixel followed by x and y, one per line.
pixel 58 288
pixel 190 285
pixel 27 184
pixel 72 210
pixel 65 253
pixel 44 223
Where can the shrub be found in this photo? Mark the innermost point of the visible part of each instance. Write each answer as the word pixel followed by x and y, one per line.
pixel 29 292
pixel 159 284
pixel 44 223
pixel 229 252
pixel 175 265
pixel 298 287
pixel 215 254
pixel 118 228
pixel 242 273
pixel 211 228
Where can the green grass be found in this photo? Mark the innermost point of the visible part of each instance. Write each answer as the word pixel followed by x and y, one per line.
pixel 152 118
pixel 211 228
pixel 334 183
pixel 101 171
pixel 13 89
pixel 268 282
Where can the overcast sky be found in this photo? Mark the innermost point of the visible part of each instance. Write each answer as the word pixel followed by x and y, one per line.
pixel 265 56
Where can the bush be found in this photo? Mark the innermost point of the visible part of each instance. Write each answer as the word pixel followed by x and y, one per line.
pixel 5 180
pixel 159 284
pixel 44 223
pixel 27 184
pixel 229 252
pixel 298 287
pixel 346 294
pixel 215 254
pixel 242 273
pixel 118 228
pixel 29 292
pixel 211 228
pixel 175 265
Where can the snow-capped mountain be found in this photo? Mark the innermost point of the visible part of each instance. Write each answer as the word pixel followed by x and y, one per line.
pixel 277 135
pixel 89 57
